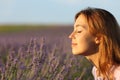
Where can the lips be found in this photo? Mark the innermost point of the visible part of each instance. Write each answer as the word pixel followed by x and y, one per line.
pixel 74 44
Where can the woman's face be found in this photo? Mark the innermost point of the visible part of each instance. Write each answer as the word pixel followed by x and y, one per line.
pixel 83 42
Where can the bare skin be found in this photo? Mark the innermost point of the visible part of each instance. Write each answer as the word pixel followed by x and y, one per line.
pixel 83 43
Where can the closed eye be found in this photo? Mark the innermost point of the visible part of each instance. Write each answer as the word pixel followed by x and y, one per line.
pixel 79 31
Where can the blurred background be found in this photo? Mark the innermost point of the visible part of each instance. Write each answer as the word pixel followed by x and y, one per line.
pixel 50 11
pixel 23 20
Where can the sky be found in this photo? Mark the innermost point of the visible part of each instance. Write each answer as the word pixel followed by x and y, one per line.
pixel 50 11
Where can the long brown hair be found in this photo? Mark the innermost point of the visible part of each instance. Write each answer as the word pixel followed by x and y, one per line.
pixel 103 23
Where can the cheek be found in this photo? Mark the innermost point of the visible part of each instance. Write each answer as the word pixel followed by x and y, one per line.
pixel 85 45
pixel 83 40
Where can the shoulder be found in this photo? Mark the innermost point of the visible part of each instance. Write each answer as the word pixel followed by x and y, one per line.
pixel 94 69
pixel 117 73
pixel 95 75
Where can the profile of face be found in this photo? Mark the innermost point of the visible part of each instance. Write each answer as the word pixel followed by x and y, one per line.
pixel 83 43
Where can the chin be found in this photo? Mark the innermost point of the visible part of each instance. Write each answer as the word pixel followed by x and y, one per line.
pixel 79 53
pixel 75 53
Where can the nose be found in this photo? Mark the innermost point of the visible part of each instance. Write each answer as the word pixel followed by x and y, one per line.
pixel 71 35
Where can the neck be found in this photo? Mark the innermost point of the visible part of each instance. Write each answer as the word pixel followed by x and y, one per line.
pixel 94 59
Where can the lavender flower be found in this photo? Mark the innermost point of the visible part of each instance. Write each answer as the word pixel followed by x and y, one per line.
pixel 34 61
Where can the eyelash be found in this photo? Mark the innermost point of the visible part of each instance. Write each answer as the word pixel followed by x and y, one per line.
pixel 79 31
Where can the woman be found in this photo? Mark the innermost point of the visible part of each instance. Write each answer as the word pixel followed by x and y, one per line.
pixel 96 35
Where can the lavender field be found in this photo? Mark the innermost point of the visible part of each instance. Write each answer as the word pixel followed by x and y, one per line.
pixel 40 53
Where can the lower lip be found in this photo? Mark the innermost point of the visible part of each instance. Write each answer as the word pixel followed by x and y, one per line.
pixel 73 45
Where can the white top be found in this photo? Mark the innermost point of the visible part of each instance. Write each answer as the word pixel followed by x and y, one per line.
pixel 116 74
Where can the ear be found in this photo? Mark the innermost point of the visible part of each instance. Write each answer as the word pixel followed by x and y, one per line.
pixel 97 39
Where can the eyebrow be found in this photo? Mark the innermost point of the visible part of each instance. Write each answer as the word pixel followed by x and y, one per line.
pixel 78 25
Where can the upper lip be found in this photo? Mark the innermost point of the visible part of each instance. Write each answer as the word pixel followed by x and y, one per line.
pixel 74 43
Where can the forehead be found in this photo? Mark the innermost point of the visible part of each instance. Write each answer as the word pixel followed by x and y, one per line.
pixel 81 21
